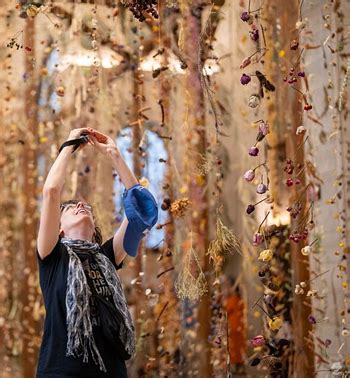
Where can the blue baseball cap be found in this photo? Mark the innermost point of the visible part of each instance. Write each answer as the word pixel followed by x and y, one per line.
pixel 141 209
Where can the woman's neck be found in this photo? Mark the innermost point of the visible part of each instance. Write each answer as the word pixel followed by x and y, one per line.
pixel 78 234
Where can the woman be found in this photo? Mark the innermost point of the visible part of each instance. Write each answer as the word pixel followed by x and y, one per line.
pixel 72 257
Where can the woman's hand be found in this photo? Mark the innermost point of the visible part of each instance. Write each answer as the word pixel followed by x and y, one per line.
pixel 102 142
pixel 76 133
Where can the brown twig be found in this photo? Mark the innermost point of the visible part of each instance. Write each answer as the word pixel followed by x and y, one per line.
pixel 165 271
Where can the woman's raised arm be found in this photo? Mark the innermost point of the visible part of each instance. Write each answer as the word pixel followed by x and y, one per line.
pixel 50 211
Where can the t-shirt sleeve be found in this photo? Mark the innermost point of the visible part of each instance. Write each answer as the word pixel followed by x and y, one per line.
pixel 107 250
pixel 51 257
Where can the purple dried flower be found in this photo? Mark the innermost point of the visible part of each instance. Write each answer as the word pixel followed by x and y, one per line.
pixel 254 34
pixel 245 79
pixel 311 319
pixel 261 188
pixel 253 151
pixel 301 74
pixel 250 209
pixel 327 342
pixel 245 16
pixel 249 175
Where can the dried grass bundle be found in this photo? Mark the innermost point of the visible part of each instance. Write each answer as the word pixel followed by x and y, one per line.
pixel 186 284
pixel 225 241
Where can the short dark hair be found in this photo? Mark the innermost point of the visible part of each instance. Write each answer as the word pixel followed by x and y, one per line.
pixel 97 237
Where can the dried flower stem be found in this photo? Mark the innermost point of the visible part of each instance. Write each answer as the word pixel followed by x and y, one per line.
pixel 263 221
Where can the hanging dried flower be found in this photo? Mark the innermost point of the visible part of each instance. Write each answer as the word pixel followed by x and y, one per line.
pixel 294 44
pixel 254 101
pixel 275 323
pixel 32 10
pixel 224 242
pixel 266 255
pixel 139 7
pixel 245 79
pixel 301 130
pixel 298 290
pixel 245 16
pixel 261 188
pixel 258 341
pixel 300 25
pixel 249 175
pixel 264 128
pixel 245 62
pixel 254 35
pixel 306 250
pixel 312 293
pixel 258 239
pixel 60 91
pixel 311 319
pixel 250 208
pixel 144 182
pixel 179 207
pixel 289 181
pixel 187 285
pixel 253 151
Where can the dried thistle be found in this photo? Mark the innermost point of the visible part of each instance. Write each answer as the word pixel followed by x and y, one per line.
pixel 225 241
pixel 186 284
pixel 179 207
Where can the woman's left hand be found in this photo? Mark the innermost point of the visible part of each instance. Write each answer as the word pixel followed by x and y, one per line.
pixel 102 142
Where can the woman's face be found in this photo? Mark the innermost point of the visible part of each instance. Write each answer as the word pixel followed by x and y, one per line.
pixel 73 215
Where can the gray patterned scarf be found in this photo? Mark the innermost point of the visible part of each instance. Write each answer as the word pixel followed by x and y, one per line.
pixel 79 327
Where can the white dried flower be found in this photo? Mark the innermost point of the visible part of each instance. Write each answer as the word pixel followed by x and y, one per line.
pixel 311 293
pixel 306 250
pixel 254 101
pixel 298 290
pixel 300 25
pixel 301 130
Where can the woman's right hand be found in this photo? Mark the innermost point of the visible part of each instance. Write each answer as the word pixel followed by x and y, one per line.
pixel 76 133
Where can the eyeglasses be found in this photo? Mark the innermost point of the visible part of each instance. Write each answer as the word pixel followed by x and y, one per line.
pixel 71 205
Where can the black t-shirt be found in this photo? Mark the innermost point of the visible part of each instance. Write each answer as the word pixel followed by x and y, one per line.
pixel 52 361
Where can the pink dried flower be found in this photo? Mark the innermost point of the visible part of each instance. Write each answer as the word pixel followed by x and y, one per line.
pixel 249 175
pixel 245 62
pixel 258 341
pixel 258 239
pixel 264 128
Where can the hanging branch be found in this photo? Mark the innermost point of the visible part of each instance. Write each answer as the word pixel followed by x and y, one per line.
pixel 202 53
